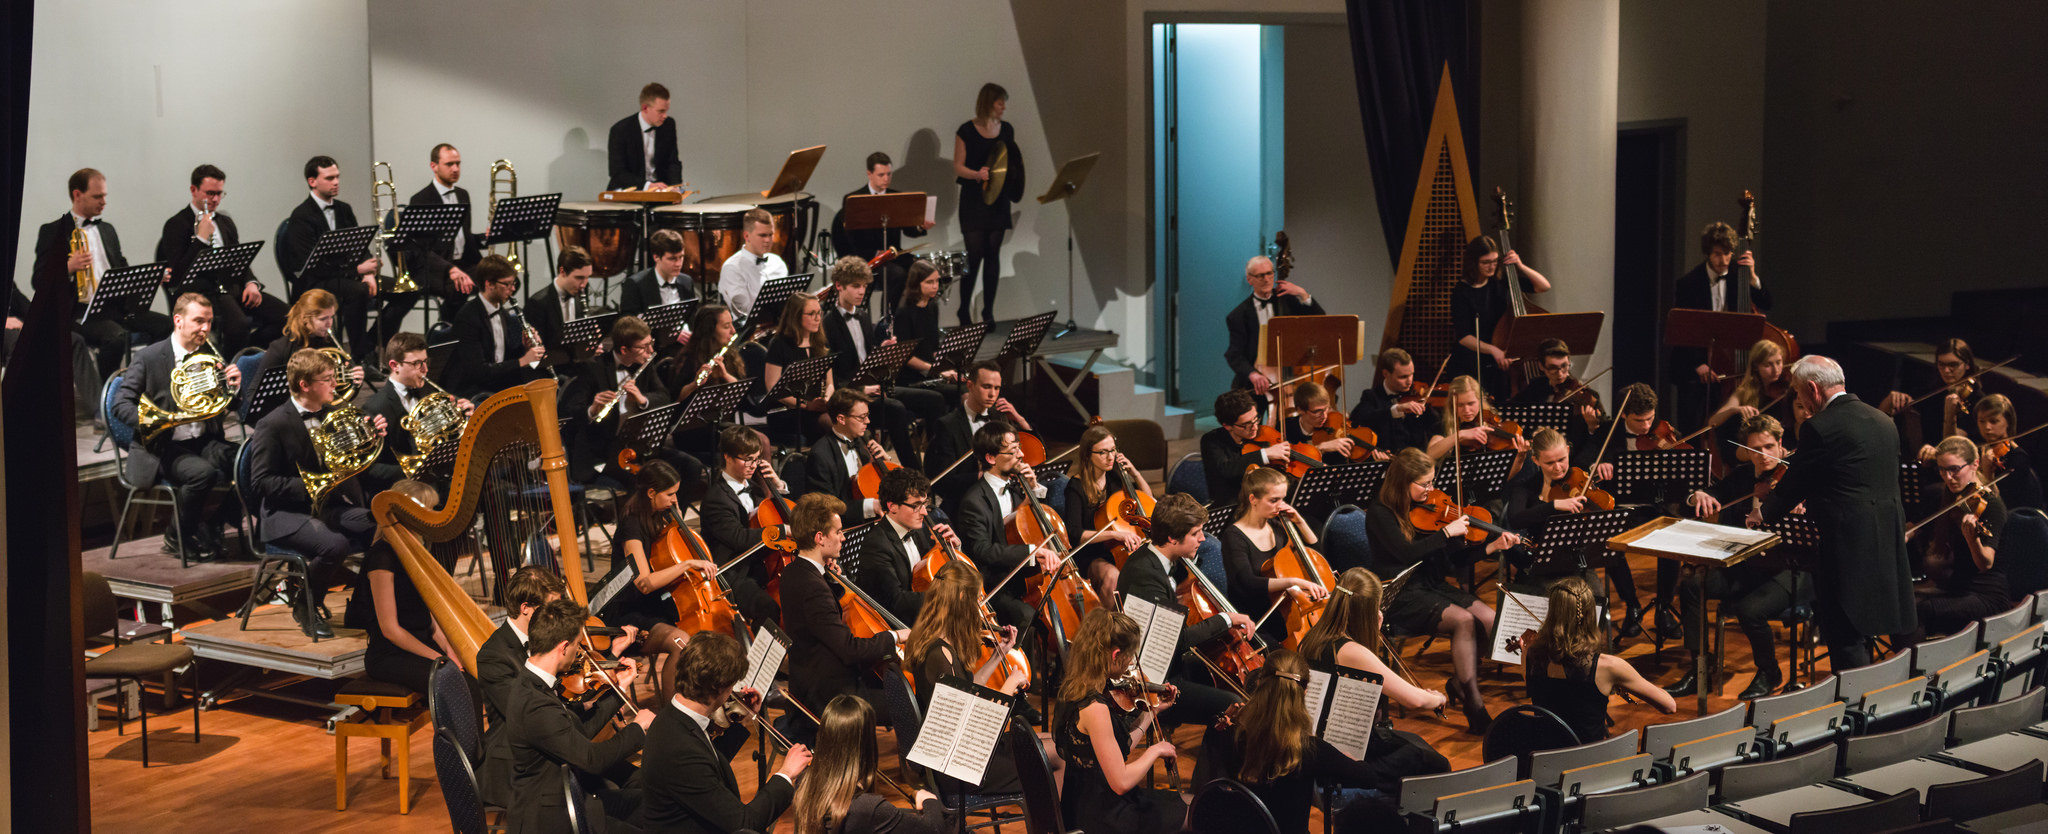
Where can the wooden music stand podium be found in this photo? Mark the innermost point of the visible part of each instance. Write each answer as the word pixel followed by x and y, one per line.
pixel 1713 331
pixel 885 211
pixel 1324 343
pixel 1521 335
pixel 796 171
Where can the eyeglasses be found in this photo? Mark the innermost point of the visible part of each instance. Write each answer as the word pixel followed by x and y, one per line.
pixel 1488 261
pixel 1108 453
pixel 1953 470
pixel 915 506
pixel 862 417
pixel 1264 273
pixel 413 363
pixel 1251 422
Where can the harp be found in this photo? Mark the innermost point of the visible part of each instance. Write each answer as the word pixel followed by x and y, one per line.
pixel 523 415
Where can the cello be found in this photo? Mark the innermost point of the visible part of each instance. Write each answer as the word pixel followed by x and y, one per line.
pixel 1232 656
pixel 867 483
pixel 1129 508
pixel 943 553
pixel 1296 560
pixel 701 601
pixel 1062 598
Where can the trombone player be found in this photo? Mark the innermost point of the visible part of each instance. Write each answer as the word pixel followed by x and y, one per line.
pixel 442 268
pixel 189 449
pixel 244 313
pixel 281 451
pixel 405 363
pixel 354 287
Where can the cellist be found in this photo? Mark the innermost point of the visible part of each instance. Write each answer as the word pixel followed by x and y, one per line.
pixel 631 594
pixel 1252 540
pixel 727 512
pixel 894 552
pixel 989 504
pixel 1153 573
pixel 826 660
pixel 836 458
pixel 1089 485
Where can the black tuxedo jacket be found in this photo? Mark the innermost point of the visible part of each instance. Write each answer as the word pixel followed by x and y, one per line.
pixel 945 441
pixel 178 247
pixel 544 312
pixel 1243 325
pixel 543 733
pixel 825 659
pixel 149 375
pixel 1375 411
pixel 1848 477
pixel 397 440
pixel 979 523
pixel 688 786
pixel 1144 577
pixel 601 373
pixel 1694 293
pixel 839 338
pixel 475 368
pixel 642 290
pixel 725 521
pixel 885 570
pixel 279 447
pixel 866 243
pixel 628 154
pixel 499 661
pixel 53 245
pixel 825 471
pixel 302 233
pixel 1224 463
pixel 431 261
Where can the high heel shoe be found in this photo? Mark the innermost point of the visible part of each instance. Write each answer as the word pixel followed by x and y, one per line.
pixel 1466 695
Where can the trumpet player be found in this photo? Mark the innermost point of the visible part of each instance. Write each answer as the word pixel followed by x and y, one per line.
pixel 443 268
pixel 190 457
pixel 405 368
pixel 494 348
pixel 243 313
pixel 281 449
pixel 354 286
pixel 106 334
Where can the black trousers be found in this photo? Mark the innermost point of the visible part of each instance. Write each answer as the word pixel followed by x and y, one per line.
pixel 1947 613
pixel 193 468
pixel 325 541
pixel 1848 648
pixel 108 336
pixel 1753 594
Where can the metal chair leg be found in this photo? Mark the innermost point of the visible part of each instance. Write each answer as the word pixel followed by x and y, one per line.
pixel 121 526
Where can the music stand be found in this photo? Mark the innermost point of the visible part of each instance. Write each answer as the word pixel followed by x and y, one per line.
pixel 430 223
pixel 650 428
pixel 710 401
pixel 1711 331
pixel 1696 553
pixel 1636 470
pixel 1323 489
pixel 1532 416
pixel 117 287
pixel 213 266
pixel 1025 336
pixel 521 220
pixel 580 337
pixel 850 546
pixel 437 359
pixel 1066 184
pixel 796 172
pixel 270 392
pixel 1561 545
pixel 441 458
pixel 1315 341
pixel 871 212
pixel 1912 486
pixel 775 291
pixel 958 345
pixel 341 247
pixel 802 379
pixel 1479 473
pixel 882 363
pixel 667 320
pixel 1052 470
pixel 1523 335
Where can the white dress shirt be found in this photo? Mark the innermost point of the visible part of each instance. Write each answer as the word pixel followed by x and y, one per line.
pixel 646 151
pixel 740 489
pixel 740 279
pixel 326 210
pixel 906 539
pixel 1002 487
pixel 540 673
pixel 500 352
pixel 517 632
pixel 860 339
pixel 448 199
pixel 100 264
pixel 671 288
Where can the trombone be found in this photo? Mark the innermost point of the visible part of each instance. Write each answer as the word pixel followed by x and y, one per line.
pixel 504 187
pixel 399 279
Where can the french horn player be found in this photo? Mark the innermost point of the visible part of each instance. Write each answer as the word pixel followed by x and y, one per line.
pixel 172 399
pixel 420 415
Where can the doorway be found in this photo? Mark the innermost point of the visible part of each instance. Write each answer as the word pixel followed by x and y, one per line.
pixel 1648 198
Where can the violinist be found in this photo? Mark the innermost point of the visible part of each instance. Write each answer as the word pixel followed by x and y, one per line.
pixel 1428 602
pixel 633 593
pixel 893 552
pixel 1557 385
pixel 835 460
pixel 1753 591
pixel 1312 412
pixel 1925 424
pixel 1708 287
pixel 1393 409
pixel 1468 422
pixel 1763 386
pixel 945 643
pixel 1348 635
pixel 2005 457
pixel 1568 674
pixel 1272 750
pixel 1089 486
pixel 825 658
pixel 1108 790
pixel 546 733
pixel 1253 539
pixel 1479 302
pixel 690 786
pixel 987 506
pixel 1639 430
pixel 1533 496
pixel 1271 296
pixel 1153 573
pixel 840 798
pixel 726 513
pixel 953 439
pixel 1958 551
pixel 1224 459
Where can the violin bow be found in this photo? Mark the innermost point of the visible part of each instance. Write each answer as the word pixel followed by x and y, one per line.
pixel 787 696
pixel 1972 375
pixel 1606 442
pixel 1952 505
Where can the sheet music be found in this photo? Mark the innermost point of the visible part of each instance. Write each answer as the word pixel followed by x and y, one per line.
pixel 1513 620
pixel 1698 538
pixel 611 589
pixel 1158 635
pixel 931 209
pixel 764 657
pixel 1317 689
pixel 1354 701
pixel 959 733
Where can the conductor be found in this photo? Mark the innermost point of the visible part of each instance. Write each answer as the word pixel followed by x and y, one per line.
pixel 1847 475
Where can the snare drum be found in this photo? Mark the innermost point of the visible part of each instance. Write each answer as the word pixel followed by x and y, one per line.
pixel 796 219
pixel 610 232
pixel 711 233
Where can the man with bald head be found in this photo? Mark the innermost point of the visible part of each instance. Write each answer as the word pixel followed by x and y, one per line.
pixel 1270 297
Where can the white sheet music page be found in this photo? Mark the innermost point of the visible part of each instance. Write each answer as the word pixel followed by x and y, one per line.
pixel 1353 704
pixel 959 733
pixel 1701 539
pixel 764 657
pixel 1515 619
pixel 1158 635
pixel 1316 690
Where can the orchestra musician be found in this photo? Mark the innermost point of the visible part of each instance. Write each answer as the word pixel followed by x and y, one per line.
pixel 988 504
pixel 1526 506
pixel 689 785
pixel 190 458
pixel 1637 430
pixel 405 384
pixel 726 513
pixel 825 659
pixel 1477 305
pixel 280 448
pixel 108 333
pixel 741 276
pixel 662 282
pixel 1428 602
pixel 1997 422
pixel 1554 358
pixel 404 638
pixel 545 733
pixel 641 149
pixel 1224 460
pixel 1088 488
pixel 1756 590
pixel 562 300
pixel 944 642
pixel 1108 790
pixel 1763 383
pixel 1568 674
pixel 246 314
pixel 917 317
pixel 701 358
pixel 895 551
pixel 620 374
pixel 1393 410
pixel 1348 634
pixel 1251 542
pixel 1848 478
pixel 865 244
pixel 308 324
pixel 1311 412
pixel 492 351
pixel 851 336
pixel 1464 424
pixel 1959 551
pixel 1937 418
pixel 354 287
pixel 953 439
pixel 637 591
pixel 797 336
pixel 984 224
pixel 1153 573
pixel 442 268
pixel 839 795
pixel 1270 297
pixel 1706 287
pixel 835 460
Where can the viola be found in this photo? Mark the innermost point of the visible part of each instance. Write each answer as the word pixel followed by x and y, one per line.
pixel 1437 510
pixel 1129 508
pixel 1500 433
pixel 1578 484
pixel 1234 655
pixel 1296 560
pixel 1071 596
pixel 1363 440
pixel 867 483
pixel 1301 457
pixel 702 602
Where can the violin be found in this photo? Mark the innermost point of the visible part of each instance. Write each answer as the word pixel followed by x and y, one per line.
pixel 1500 433
pixel 1129 508
pixel 1296 560
pixel 1336 425
pixel 1578 484
pixel 1437 510
pixel 1576 392
pixel 702 602
pixel 1131 689
pixel 867 482
pixel 1071 597
pixel 1233 656
pixel 1434 395
pixel 1301 457
pixel 1661 436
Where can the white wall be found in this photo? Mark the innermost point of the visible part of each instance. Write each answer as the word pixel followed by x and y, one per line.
pixel 145 90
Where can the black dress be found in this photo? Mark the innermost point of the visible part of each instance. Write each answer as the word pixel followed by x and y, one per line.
pixel 1087 801
pixel 975 214
pixel 1475 311
pixel 631 607
pixel 2022 487
pixel 1244 584
pixel 1966 593
pixel 1423 598
pixel 1001 774
pixel 789 426
pixel 921 323
pixel 1576 697
pixel 383 660
pixel 1078 513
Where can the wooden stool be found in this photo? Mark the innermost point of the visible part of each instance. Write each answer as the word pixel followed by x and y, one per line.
pixel 389 713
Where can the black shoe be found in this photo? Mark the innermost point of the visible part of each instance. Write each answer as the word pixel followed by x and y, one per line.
pixel 1766 682
pixel 1688 685
pixel 1631 624
pixel 1667 622
pixel 317 629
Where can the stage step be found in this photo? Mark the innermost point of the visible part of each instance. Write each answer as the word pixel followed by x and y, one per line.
pixel 1119 396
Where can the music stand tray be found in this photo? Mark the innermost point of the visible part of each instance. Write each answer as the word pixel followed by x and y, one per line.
pixel 1052 470
pixel 1324 488
pixel 1684 327
pixel 1635 470
pixel 1561 544
pixel 270 393
pixel 523 219
pixel 667 320
pixel 430 224
pixel 1526 333
pixel 709 402
pixel 775 291
pixel 650 428
pixel 1480 473
pixel 796 171
pixel 802 379
pixel 341 247
pixel 1071 177
pixel 1532 416
pixel 882 363
pixel 214 266
pixel 117 287
pixel 582 336
pixel 866 212
pixel 1698 545
pixel 958 345
pixel 1025 336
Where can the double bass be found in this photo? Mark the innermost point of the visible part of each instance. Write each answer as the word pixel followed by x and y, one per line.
pixel 1518 305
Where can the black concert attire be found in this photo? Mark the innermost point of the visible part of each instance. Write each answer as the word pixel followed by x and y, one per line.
pixel 942 661
pixel 1224 462
pixel 545 733
pixel 280 447
pixel 1423 598
pixel 922 324
pixel 831 468
pixel 1848 477
pixel 488 347
pixel 1576 697
pixel 984 507
pixel 429 263
pixel 792 426
pixel 724 513
pixel 1475 311
pixel 1289 796
pixel 1087 802
pixel 1522 507
pixel 852 338
pixel 688 785
pixel 392 402
pixel 549 310
pixel 192 458
pixel 1375 410
pixel 1146 575
pixel 308 221
pixel 886 558
pixel 1242 325
pixel 275 356
pixel 630 606
pixel 1698 290
pixel 1755 591
pixel 645 289
pixel 384 660
pixel 946 440
pixel 873 813
pixel 1078 514
pixel 85 369
pixel 236 325
pixel 825 659
pixel 108 334
pixel 1392 756
pixel 867 243
pixel 632 164
pixel 2022 485
pixel 1243 583
pixel 1539 390
pixel 1964 592
pixel 983 225
pixel 1923 426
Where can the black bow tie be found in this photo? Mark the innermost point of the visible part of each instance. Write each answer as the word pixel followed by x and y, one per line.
pixel 760 259
pixel 983 417
pixel 1263 302
pixel 846 444
pixel 89 221
pixel 647 130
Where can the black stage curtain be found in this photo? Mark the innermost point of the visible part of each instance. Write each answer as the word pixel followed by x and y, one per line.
pixel 1400 49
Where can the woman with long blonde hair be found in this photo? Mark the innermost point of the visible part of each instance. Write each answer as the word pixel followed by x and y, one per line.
pixel 1959 551
pixel 1569 675
pixel 1765 369
pixel 1108 788
pixel 838 791
pixel 1464 423
pixel 308 324
pixel 1253 539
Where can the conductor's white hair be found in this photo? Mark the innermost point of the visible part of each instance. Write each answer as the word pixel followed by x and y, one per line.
pixel 1255 260
pixel 1820 370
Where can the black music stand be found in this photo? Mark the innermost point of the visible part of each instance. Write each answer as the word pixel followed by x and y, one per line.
pixel 1480 473
pixel 437 359
pixel 711 401
pixel 1532 416
pixel 667 320
pixel 1025 336
pixel 650 428
pixel 580 337
pixel 118 287
pixel 271 392
pixel 430 224
pixel 1638 470
pixel 1912 487
pixel 341 247
pixel 958 345
pixel 1050 470
pixel 215 267
pixel 1325 488
pixel 1564 542
pixel 774 291
pixel 1799 537
pixel 850 546
pixel 1066 184
pixel 802 379
pixel 522 220
pixel 441 458
pixel 882 364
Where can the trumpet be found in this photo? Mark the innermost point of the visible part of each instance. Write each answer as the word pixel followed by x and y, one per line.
pixel 347 442
pixel 399 280
pixel 620 394
pixel 505 187
pixel 82 278
pixel 436 419
pixel 199 391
